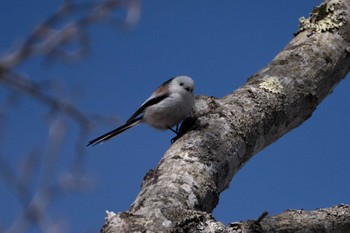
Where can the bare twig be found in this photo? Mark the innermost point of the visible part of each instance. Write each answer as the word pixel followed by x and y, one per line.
pixel 48 41
pixel 63 36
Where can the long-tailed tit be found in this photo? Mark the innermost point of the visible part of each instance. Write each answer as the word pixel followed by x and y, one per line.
pixel 171 103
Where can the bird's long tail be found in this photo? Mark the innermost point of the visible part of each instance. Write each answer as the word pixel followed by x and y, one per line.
pixel 115 132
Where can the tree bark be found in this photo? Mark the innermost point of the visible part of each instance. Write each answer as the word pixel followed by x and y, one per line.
pixel 334 219
pixel 181 192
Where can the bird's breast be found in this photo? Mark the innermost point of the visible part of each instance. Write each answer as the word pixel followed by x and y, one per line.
pixel 168 112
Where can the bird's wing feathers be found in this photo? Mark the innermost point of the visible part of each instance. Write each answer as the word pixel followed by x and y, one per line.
pixel 164 88
pixel 155 98
pixel 133 120
pixel 149 102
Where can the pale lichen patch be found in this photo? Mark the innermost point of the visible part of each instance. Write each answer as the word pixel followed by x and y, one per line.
pixel 323 19
pixel 186 157
pixel 271 84
pixel 166 223
pixel 192 199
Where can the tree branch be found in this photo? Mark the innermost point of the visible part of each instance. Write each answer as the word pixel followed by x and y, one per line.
pixel 179 194
pixel 333 219
pixel 64 36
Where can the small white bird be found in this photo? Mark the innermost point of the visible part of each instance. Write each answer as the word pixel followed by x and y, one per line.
pixel 171 103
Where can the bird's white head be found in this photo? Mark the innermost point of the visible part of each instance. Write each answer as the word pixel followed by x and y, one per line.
pixel 182 84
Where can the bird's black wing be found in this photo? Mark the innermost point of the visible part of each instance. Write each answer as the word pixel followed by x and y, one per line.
pixel 148 103
pixel 129 123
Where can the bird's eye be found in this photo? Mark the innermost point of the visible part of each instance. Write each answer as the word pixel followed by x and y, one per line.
pixel 181 84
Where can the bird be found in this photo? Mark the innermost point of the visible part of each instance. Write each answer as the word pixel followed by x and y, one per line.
pixel 168 105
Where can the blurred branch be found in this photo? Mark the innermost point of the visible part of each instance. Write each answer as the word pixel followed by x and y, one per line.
pixel 41 179
pixel 54 43
pixel 48 41
pixel 35 90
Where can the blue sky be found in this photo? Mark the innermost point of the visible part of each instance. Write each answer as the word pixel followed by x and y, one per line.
pixel 218 44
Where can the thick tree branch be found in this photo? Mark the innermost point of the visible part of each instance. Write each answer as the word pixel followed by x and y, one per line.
pixel 334 219
pixel 179 194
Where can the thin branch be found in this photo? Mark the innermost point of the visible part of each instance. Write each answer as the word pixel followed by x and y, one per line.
pixel 33 89
pixel 62 36
pixel 46 40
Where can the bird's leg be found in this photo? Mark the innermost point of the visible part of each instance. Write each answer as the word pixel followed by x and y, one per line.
pixel 175 131
pixel 186 125
pixel 177 128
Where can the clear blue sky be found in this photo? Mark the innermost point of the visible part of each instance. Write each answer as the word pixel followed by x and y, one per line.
pixel 219 44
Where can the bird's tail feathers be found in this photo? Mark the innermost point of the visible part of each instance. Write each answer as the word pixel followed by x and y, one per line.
pixel 115 132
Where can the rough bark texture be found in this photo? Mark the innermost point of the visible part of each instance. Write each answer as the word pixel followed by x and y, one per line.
pixel 329 220
pixel 181 192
